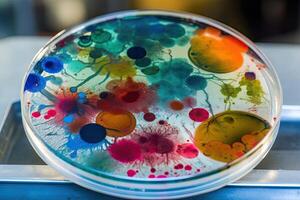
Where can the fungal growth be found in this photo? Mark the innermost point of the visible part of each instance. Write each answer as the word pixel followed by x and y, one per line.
pixel 148 97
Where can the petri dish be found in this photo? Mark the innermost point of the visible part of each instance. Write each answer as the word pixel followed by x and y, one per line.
pixel 151 104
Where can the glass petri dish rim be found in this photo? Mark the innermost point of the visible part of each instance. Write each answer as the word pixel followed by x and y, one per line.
pixel 182 189
pixel 272 81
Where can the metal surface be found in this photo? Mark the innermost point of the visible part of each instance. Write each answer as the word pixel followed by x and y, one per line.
pixel 20 166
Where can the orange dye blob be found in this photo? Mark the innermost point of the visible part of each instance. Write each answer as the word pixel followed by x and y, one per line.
pixel 214 52
pixel 118 123
pixel 176 105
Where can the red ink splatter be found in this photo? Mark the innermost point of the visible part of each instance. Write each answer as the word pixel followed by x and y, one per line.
pixel 68 103
pixel 163 145
pixel 188 167
pixel 36 114
pixel 129 95
pixel 131 173
pixel 149 117
pixel 125 151
pixel 187 150
pixel 157 144
pixel 198 114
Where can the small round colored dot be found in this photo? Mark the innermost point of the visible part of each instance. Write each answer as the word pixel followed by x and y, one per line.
pixel 176 105
pixel 144 62
pixel 36 114
pixel 151 176
pixel 52 64
pixel 250 76
pixel 188 167
pixel 35 83
pixel 51 112
pixel 92 133
pixel 178 166
pixel 68 118
pixel 73 89
pixel 85 41
pixel 149 117
pixel 131 173
pixel 152 170
pixel 136 52
pixel 161 122
pixel 81 95
pixel 198 114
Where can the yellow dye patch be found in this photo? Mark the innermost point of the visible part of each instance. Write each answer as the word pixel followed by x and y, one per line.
pixel 228 135
pixel 121 67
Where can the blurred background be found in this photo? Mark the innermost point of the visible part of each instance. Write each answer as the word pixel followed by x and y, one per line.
pixel 260 20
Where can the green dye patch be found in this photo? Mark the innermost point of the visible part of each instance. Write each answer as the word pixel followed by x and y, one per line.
pixel 254 89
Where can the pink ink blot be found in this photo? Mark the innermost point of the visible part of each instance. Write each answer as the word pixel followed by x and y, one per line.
pixel 51 112
pixel 178 166
pixel 198 114
pixel 36 114
pixel 131 173
pixel 151 176
pixel 47 117
pixel 188 167
pixel 187 150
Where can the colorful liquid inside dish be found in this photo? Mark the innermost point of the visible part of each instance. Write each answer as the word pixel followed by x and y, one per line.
pixel 148 96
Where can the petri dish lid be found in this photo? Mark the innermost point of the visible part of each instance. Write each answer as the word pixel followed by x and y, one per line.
pixel 151 104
